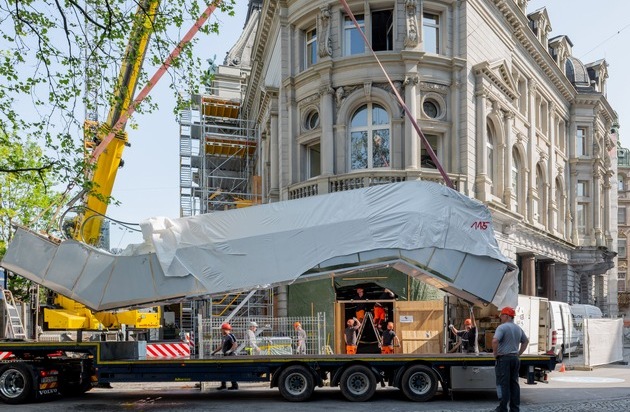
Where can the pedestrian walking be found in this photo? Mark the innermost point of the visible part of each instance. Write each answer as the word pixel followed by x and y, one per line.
pixel 509 342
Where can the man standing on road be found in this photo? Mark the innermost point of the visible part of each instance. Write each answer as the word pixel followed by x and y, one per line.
pixel 506 350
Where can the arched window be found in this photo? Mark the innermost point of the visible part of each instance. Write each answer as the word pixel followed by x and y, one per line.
pixel 370 137
pixel 516 178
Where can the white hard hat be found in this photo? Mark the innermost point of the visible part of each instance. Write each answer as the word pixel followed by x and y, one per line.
pixel 253 324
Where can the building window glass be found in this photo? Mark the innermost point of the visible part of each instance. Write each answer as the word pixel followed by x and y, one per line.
pixel 382 30
pixel 582 188
pixel 311 48
pixel 581 218
pixel 313 160
pixel 621 215
pixel 621 247
pixel 431 32
pixel 312 120
pixel 620 184
pixel 621 281
pixel 352 40
pixel 370 137
pixel 425 157
pixel 580 142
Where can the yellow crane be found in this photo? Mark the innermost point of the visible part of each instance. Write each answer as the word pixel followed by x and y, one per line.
pixel 69 314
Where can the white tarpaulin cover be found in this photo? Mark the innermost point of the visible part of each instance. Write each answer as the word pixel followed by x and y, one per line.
pixel 424 229
pixel 603 341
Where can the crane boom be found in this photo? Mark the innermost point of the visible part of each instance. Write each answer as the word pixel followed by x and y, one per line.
pixel 88 229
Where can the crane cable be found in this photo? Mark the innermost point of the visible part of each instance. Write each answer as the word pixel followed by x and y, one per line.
pixel 401 102
pixel 154 79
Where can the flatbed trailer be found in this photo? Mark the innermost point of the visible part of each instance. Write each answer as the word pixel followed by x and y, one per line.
pixel 46 370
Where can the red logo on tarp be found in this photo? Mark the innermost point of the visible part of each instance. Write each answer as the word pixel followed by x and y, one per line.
pixel 480 225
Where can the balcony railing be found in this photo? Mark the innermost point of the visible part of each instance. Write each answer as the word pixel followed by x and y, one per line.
pixel 357 180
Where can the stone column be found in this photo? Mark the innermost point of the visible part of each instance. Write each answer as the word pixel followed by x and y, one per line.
pixel 506 159
pixel 274 155
pixel 326 122
pixel 412 140
pixel 481 168
pixel 550 280
pixel 528 277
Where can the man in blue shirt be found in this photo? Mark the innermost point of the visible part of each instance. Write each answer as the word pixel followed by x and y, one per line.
pixel 508 344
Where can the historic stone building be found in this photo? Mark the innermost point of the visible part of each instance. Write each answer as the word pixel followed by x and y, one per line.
pixel 513 117
pixel 623 161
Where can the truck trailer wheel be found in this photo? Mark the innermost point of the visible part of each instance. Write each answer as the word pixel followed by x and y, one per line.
pixel 419 383
pixel 16 384
pixel 357 383
pixel 296 383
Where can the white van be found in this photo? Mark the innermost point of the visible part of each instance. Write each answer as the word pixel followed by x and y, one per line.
pixel 563 337
pixel 581 312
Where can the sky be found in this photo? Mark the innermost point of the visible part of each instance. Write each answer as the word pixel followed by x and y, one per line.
pixel 148 184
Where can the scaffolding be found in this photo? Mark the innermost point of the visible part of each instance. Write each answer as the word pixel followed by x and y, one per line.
pixel 218 149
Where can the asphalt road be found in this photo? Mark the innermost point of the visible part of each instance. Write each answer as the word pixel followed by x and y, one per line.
pixel 602 389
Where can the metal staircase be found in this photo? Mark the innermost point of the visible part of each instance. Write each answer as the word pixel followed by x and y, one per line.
pixel 14 326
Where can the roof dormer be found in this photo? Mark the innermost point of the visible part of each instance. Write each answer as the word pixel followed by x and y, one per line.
pixel 560 47
pixel 598 73
pixel 540 24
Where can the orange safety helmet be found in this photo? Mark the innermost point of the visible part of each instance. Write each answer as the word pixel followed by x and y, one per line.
pixel 226 326
pixel 508 311
pixel 297 324
pixel 468 322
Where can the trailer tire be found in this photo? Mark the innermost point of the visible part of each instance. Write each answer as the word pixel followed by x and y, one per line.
pixel 419 383
pixel 296 383
pixel 357 383
pixel 16 383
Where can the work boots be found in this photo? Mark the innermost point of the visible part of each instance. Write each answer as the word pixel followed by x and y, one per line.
pixel 233 387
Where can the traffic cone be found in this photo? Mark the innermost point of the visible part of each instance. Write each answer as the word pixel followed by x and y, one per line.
pixel 562 368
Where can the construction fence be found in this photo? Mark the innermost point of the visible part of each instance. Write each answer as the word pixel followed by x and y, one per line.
pixel 274 336
pixel 601 342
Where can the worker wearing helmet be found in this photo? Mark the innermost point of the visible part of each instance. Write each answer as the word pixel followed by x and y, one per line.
pixel 509 342
pixel 228 347
pixel 467 336
pixel 301 339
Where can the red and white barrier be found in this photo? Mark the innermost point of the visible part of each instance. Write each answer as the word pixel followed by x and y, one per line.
pixel 168 350
pixel 5 355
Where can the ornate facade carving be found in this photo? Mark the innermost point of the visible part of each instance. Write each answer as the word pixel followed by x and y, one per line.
pixel 324 44
pixel 411 11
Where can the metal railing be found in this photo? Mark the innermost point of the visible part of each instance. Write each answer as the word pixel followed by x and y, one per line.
pixel 275 336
